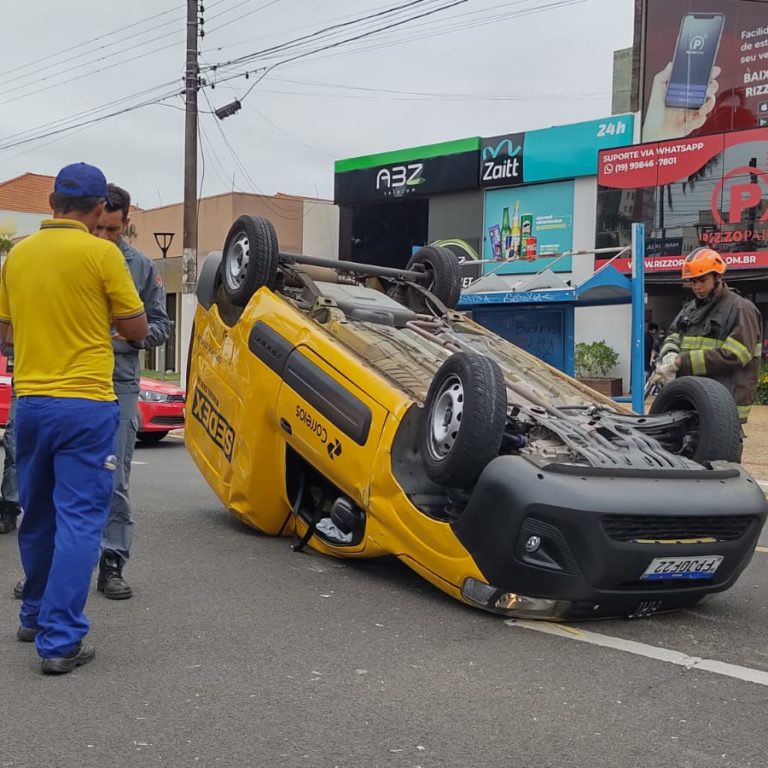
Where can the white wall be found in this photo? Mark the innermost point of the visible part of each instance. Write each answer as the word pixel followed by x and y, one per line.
pixel 321 229
pixel 16 224
pixel 612 324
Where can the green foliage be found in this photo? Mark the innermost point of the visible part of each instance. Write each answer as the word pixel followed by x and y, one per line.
pixel 761 398
pixel 594 360
pixel 5 244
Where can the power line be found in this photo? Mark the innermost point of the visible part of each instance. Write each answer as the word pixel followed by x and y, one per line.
pixel 430 95
pixel 267 69
pixel 304 38
pixel 86 113
pixel 70 48
pixel 238 18
pixel 54 132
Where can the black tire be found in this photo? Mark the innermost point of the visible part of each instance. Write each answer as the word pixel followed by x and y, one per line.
pixel 463 419
pixel 250 259
pixel 150 438
pixel 717 432
pixel 444 271
pixel 209 280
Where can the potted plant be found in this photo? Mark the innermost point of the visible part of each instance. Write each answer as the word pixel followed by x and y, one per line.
pixel 593 362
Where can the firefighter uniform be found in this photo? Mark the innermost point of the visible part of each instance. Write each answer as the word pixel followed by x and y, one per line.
pixel 722 340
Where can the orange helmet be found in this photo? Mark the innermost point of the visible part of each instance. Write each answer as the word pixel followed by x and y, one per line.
pixel 702 261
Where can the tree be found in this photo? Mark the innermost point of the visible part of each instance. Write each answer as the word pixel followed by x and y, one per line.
pixel 5 245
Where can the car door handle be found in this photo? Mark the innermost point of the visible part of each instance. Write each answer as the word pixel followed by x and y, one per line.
pixel 285 426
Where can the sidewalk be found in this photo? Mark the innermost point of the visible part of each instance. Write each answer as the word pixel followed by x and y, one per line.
pixel 755 458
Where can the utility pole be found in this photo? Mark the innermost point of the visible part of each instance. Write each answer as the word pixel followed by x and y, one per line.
pixel 189 232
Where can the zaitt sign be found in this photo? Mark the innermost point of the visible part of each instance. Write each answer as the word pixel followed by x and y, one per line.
pixel 550 154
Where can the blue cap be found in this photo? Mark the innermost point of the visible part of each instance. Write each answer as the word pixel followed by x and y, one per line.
pixel 81 180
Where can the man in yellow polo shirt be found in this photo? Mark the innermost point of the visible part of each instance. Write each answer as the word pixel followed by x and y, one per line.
pixel 62 289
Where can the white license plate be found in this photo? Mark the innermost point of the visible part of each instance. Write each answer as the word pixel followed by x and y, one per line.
pixel 673 568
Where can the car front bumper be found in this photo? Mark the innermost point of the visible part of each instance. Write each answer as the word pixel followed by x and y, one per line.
pixel 566 542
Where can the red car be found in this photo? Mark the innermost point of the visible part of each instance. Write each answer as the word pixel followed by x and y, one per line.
pixel 161 409
pixel 6 375
pixel 161 404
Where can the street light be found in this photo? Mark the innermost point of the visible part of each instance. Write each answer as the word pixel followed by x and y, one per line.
pixel 163 240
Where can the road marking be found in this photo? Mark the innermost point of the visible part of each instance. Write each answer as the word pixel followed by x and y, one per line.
pixel 133 461
pixel 641 649
pixel 761 549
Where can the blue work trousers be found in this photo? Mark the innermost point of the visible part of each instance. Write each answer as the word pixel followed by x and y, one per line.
pixel 65 462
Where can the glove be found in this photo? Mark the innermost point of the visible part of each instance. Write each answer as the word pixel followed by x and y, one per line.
pixel 667 369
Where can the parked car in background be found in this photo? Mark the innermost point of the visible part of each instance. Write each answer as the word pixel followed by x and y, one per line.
pixel 161 404
pixel 161 409
pixel 6 376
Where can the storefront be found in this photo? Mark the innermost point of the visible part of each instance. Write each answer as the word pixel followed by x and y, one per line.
pixel 519 199
pixel 520 196
pixel 395 201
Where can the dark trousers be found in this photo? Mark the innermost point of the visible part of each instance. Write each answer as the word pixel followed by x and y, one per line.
pixel 65 462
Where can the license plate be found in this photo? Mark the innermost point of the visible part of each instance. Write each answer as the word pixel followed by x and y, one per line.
pixel 682 568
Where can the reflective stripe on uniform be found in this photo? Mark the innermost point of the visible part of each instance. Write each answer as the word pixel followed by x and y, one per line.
pixel 700 342
pixel 742 353
pixel 743 411
pixel 698 363
pixel 758 350
pixel 671 344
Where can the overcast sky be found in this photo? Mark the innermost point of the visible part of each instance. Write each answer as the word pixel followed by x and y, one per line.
pixel 479 68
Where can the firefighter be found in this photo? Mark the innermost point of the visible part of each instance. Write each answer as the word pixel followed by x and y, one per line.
pixel 718 334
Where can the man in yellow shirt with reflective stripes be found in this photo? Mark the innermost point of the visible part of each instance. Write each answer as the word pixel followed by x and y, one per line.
pixel 718 334
pixel 61 290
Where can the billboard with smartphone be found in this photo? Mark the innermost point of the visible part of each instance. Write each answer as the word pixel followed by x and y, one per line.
pixel 705 67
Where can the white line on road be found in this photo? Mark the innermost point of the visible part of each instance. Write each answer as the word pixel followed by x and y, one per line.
pixel 641 649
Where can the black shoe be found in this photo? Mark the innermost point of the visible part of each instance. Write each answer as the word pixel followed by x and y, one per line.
pixel 9 511
pixel 27 634
pixel 81 654
pixel 111 581
pixel 18 589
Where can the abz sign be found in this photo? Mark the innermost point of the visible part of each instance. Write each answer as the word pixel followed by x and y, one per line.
pixel 398 179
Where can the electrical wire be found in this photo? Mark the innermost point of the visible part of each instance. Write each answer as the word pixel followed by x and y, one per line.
pixel 317 33
pixel 55 132
pixel 238 18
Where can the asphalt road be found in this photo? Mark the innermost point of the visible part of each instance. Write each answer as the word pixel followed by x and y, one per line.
pixel 236 651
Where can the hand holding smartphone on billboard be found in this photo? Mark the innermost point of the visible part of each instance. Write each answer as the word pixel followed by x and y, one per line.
pixel 683 93
pixel 664 122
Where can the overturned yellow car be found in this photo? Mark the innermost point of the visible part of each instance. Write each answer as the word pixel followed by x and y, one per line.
pixel 351 407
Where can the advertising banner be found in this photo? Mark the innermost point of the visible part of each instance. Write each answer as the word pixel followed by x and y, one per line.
pixel 706 67
pixel 562 152
pixel 414 172
pixel 710 190
pixel 528 226
pixel 417 178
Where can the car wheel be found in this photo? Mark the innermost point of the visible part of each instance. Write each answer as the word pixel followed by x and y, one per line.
pixel 716 432
pixel 150 438
pixel 250 258
pixel 209 280
pixel 444 271
pixel 463 419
